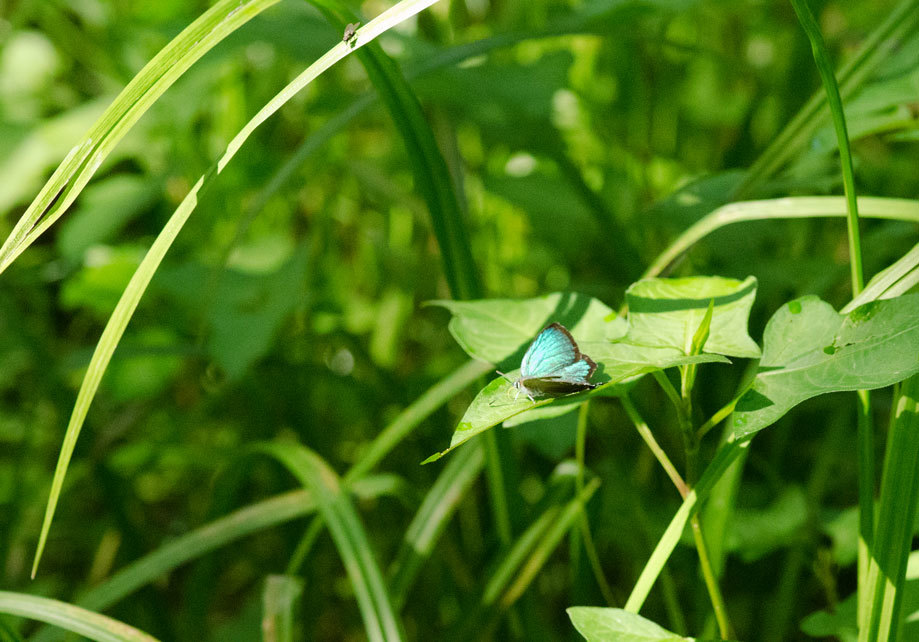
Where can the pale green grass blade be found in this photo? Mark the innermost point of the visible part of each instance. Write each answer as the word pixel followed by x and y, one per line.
pixel 154 79
pixel 896 518
pixel 279 607
pixel 892 209
pixel 889 282
pixel 380 619
pixel 72 618
pixel 116 325
pixel 431 519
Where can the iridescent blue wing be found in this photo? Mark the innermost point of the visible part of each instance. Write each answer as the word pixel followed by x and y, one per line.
pixel 553 365
pixel 552 350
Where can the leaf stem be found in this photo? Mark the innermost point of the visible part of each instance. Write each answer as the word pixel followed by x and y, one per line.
pixel 584 523
pixel 645 432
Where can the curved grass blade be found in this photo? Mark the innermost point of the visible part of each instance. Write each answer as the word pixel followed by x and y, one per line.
pixel 117 323
pixel 72 618
pixel 348 533
pixel 431 519
pixel 892 209
pixel 890 282
pixel 148 85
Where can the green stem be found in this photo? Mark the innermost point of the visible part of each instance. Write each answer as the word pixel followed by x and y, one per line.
pixel 711 582
pixel 589 547
pixel 865 442
pixel 866 477
pixel 812 29
pixel 645 432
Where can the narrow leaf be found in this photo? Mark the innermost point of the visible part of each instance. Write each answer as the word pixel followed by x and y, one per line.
pixel 71 618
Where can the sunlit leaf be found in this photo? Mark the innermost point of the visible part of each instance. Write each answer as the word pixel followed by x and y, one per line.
pixel 668 312
pixel 500 330
pixel 598 624
pixel 811 350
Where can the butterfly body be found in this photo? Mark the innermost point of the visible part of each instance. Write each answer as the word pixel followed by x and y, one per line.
pixel 554 366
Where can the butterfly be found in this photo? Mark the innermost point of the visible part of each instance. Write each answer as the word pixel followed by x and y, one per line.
pixel 553 366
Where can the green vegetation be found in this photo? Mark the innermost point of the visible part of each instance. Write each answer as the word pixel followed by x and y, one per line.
pixel 258 266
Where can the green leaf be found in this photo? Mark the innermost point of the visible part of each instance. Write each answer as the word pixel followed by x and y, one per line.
pixel 500 330
pixel 72 618
pixel 811 350
pixel 668 312
pixel 599 624
pixel 616 362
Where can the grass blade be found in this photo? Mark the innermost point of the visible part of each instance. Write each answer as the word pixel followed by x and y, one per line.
pixel 431 519
pixel 897 513
pixel 350 538
pixel 62 189
pixel 135 289
pixel 892 209
pixel 72 618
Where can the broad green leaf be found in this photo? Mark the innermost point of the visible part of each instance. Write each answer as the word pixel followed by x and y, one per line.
pixel 668 312
pixel 94 626
pixel 599 624
pixel 811 350
pixel 616 362
pixel 500 330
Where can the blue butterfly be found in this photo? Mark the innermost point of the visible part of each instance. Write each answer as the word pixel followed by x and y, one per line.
pixel 553 366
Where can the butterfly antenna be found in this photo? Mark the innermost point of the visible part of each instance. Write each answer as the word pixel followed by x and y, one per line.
pixel 508 379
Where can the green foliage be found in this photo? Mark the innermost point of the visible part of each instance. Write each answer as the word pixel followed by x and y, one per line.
pixel 219 230
pixel 809 350
pixel 598 624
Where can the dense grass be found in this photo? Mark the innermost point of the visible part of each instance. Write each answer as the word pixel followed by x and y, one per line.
pixel 222 223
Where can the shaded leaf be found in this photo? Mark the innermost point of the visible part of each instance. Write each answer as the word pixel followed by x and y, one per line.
pixel 500 330
pixel 811 350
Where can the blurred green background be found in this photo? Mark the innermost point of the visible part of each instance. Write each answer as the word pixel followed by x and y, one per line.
pixel 582 138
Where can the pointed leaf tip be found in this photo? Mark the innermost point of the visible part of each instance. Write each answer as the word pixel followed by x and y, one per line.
pixel 433 458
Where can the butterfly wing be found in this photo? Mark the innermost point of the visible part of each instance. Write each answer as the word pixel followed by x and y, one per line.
pixel 553 364
pixel 551 350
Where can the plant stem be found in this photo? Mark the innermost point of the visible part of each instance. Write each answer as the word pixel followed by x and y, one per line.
pixel 645 432
pixel 589 547
pixel 711 582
